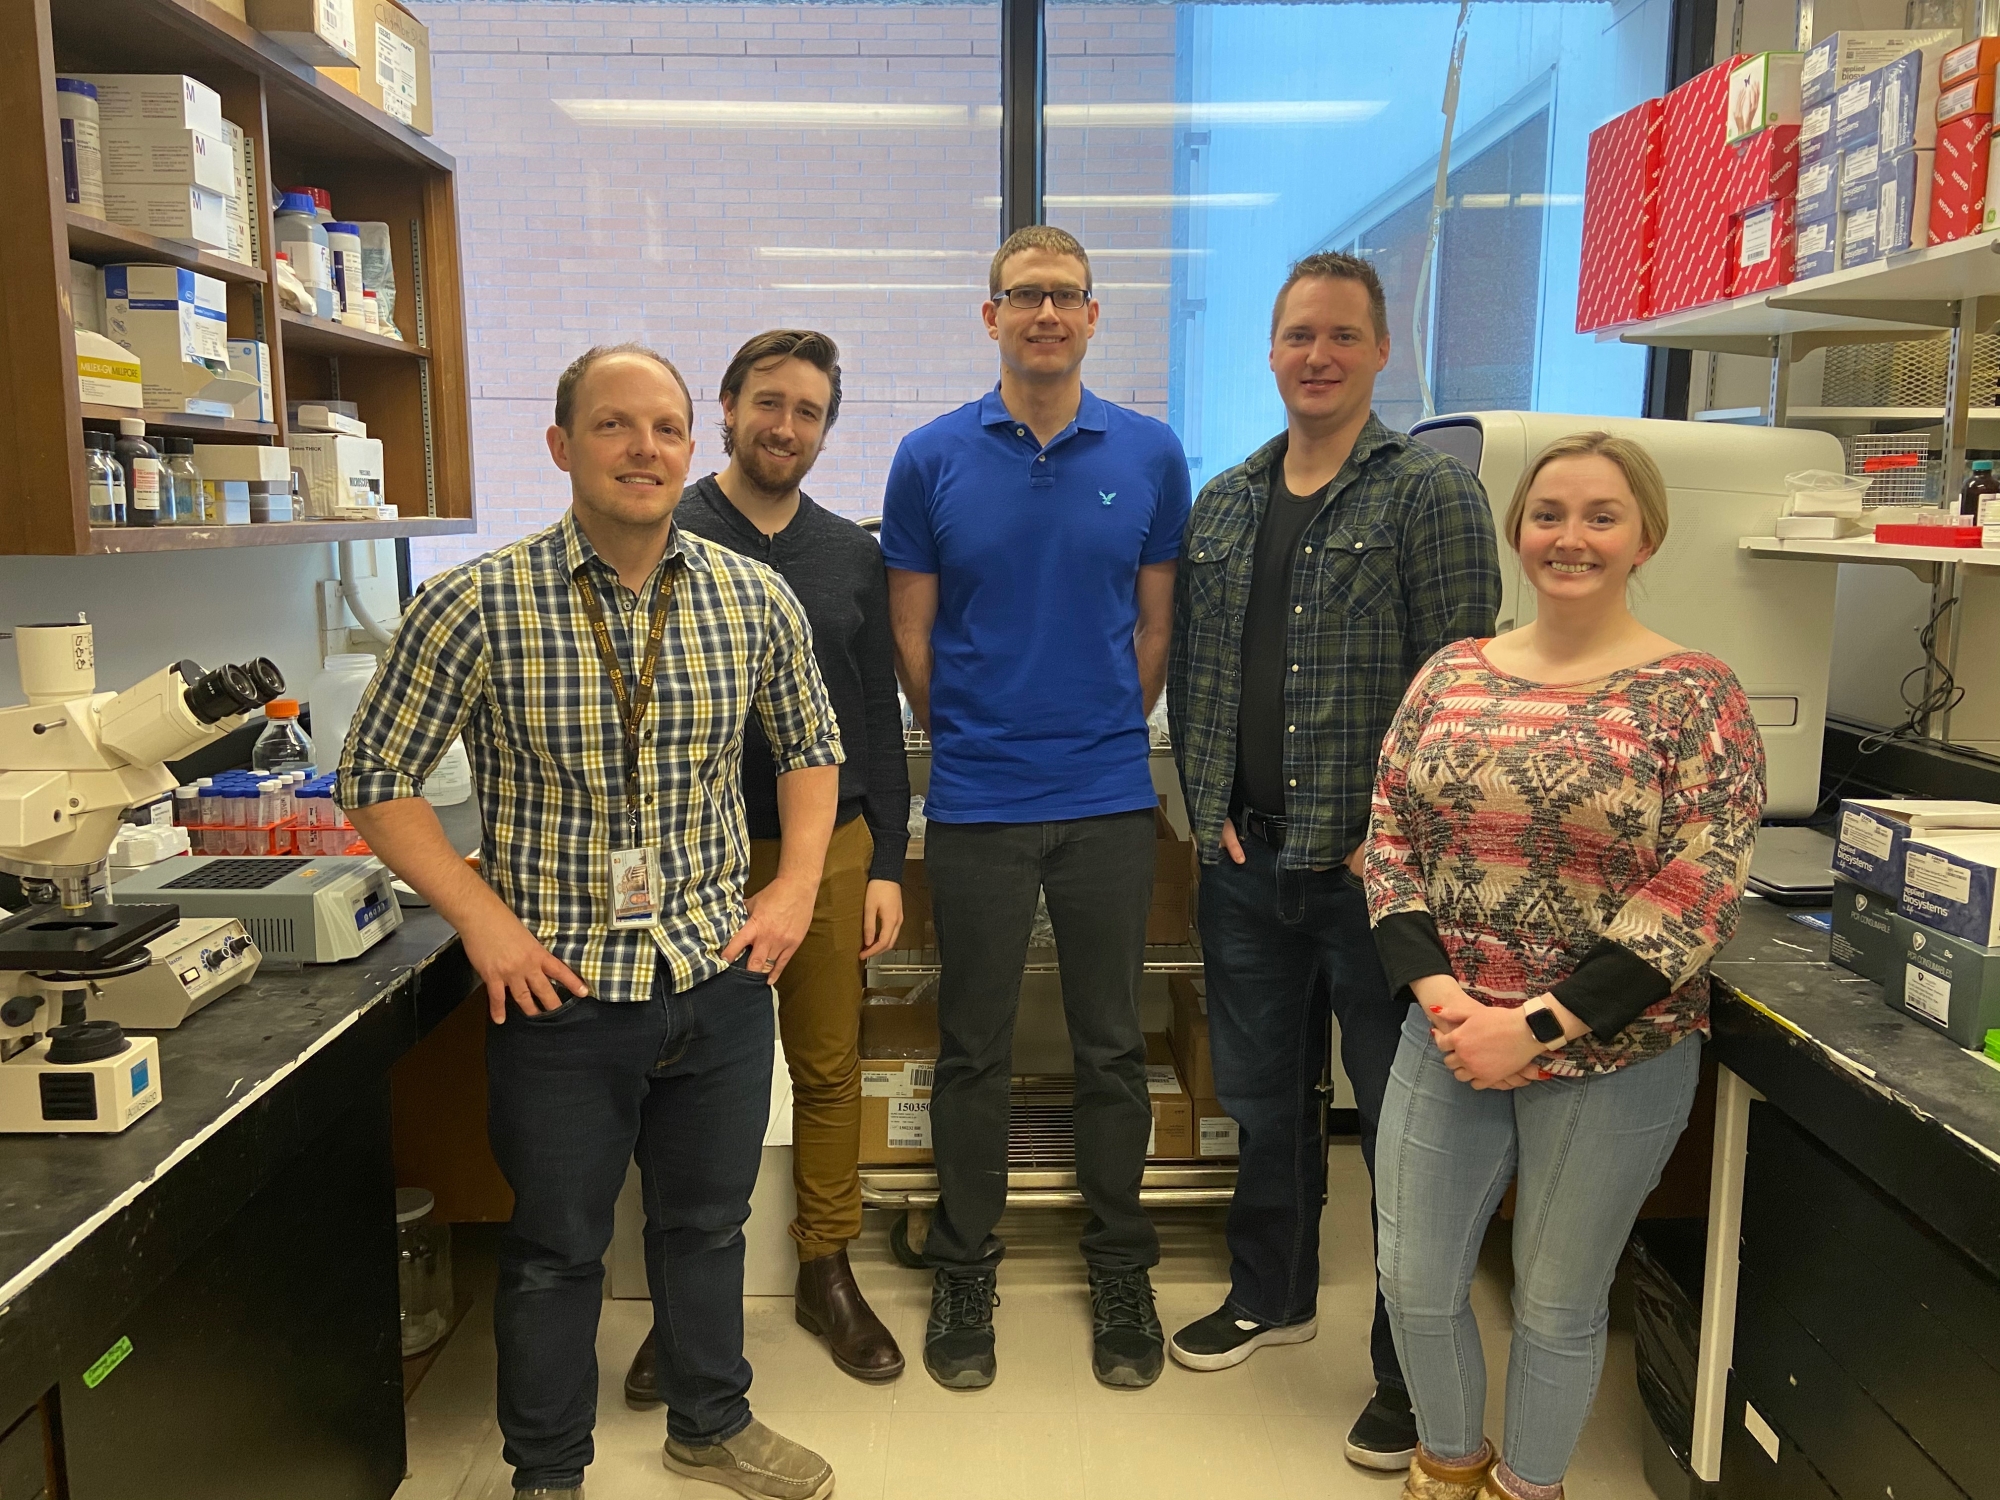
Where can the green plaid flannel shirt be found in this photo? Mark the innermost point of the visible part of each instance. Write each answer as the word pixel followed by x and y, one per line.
pixel 1399 563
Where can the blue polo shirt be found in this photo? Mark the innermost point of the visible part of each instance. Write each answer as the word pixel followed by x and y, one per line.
pixel 1035 708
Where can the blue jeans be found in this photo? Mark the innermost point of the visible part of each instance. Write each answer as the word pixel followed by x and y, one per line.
pixel 682 1082
pixel 1588 1151
pixel 1283 949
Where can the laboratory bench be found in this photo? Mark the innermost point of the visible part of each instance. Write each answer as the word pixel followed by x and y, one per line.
pixel 1850 1336
pixel 205 1306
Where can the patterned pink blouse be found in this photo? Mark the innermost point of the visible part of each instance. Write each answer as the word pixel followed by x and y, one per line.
pixel 1590 839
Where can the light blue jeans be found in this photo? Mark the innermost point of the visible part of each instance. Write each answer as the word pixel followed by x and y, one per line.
pixel 1588 1152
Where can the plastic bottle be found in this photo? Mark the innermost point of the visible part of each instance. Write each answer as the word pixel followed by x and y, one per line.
pixel 190 492
pixel 371 310
pixel 298 230
pixel 322 201
pixel 187 806
pixel 1979 483
pixel 343 244
pixel 82 150
pixel 144 473
pixel 106 479
pixel 283 746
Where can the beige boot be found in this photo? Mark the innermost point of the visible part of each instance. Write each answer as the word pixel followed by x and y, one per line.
pixel 1430 1479
pixel 756 1462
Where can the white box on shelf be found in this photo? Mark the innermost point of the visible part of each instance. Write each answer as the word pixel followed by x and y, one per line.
pixel 171 210
pixel 251 359
pixel 156 99
pixel 148 153
pixel 1838 59
pixel 107 374
pixel 86 296
pixel 243 462
pixel 311 416
pixel 1949 883
pixel 338 471
pixel 177 313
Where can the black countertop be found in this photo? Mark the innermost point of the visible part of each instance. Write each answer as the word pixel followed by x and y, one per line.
pixel 1905 1105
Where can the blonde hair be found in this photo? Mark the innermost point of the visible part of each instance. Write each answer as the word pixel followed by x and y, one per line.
pixel 1642 478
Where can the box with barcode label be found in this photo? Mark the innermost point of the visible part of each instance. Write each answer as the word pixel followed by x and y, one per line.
pixel 1948 883
pixel 1173 1111
pixel 1214 1132
pixel 1869 842
pixel 1946 982
pixel 899 1046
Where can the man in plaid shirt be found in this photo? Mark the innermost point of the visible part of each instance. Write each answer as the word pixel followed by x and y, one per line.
pixel 615 921
pixel 1316 577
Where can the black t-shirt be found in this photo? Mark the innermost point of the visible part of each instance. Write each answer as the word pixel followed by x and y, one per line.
pixel 1260 716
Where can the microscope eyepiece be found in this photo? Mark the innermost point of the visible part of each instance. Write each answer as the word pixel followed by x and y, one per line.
pixel 266 678
pixel 222 694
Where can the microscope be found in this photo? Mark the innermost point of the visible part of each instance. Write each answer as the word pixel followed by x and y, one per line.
pixel 72 761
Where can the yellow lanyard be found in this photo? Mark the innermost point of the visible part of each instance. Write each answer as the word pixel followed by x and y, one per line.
pixel 631 705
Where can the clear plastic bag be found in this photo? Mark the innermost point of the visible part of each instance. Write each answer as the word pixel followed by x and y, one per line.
pixel 1824 492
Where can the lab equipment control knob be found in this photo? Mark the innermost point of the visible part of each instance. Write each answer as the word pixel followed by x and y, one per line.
pixel 238 946
pixel 213 959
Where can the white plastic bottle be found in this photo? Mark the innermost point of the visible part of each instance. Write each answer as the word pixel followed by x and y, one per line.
pixel 300 233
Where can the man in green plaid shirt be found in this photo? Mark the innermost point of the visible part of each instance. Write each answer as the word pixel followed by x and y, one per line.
pixel 1316 578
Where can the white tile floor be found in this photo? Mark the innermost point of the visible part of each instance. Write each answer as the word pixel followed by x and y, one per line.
pixel 1270 1429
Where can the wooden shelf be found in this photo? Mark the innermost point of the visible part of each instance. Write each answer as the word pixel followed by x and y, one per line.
pixel 103 243
pixel 121 539
pixel 320 336
pixel 1866 550
pixel 182 423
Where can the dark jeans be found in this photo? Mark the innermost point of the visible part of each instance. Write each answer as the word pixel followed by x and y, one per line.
pixel 1283 949
pixel 1098 875
pixel 682 1082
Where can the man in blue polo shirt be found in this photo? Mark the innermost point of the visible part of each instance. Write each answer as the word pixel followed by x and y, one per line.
pixel 1031 538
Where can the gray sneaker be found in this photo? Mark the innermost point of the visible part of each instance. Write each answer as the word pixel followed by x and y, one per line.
pixel 756 1462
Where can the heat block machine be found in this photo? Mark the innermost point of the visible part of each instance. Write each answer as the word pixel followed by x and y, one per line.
pixel 297 909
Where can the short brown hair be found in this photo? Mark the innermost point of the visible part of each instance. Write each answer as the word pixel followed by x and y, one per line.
pixel 1331 263
pixel 816 349
pixel 1036 237
pixel 571 378
pixel 1642 478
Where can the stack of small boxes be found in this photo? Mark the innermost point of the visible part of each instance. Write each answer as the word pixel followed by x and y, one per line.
pixel 1964 140
pixel 1761 190
pixel 1915 909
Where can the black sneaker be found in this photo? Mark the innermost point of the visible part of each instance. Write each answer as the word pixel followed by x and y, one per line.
pixel 958 1339
pixel 1126 1345
pixel 1223 1339
pixel 1385 1434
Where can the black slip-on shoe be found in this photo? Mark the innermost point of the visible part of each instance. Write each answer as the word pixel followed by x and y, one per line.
pixel 1385 1434
pixel 1223 1339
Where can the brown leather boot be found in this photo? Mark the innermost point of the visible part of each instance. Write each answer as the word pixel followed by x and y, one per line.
pixel 830 1305
pixel 642 1381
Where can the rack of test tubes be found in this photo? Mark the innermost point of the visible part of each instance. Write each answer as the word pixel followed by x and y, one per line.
pixel 252 812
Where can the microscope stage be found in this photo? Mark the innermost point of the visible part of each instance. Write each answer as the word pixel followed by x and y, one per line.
pixel 99 937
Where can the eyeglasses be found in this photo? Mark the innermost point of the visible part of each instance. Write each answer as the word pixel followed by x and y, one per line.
pixel 1031 298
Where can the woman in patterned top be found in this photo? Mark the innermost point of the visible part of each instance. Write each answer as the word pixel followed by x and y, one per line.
pixel 1562 826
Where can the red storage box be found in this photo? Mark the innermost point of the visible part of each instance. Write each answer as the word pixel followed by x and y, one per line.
pixel 1762 169
pixel 1621 219
pixel 1931 536
pixel 1766 241
pixel 1693 262
pixel 1958 178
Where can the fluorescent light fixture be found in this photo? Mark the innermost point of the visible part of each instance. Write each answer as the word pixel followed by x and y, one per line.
pixel 892 252
pixel 822 114
pixel 1153 200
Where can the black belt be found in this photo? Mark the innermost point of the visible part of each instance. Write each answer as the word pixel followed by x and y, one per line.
pixel 1265 827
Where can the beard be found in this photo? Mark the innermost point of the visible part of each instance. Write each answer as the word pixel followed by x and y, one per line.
pixel 769 473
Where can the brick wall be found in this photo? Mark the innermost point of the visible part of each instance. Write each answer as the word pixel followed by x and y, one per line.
pixel 577 231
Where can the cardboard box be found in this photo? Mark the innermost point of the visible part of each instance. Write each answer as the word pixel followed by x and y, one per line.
pixel 1816 134
pixel 1766 248
pixel 173 211
pixel 339 471
pixel 167 154
pixel 1215 1134
pixel 1860 237
pixel 1692 262
pixel 1905 201
pixel 1190 1035
pixel 1861 177
pixel 899 1045
pixel 1972 97
pixel 1907 91
pixel 1864 932
pixel 1857 112
pixel 1980 55
pixel 320 32
pixel 1762 169
pixel 1621 219
pixel 1763 92
pixel 1959 177
pixel 161 99
pixel 1873 832
pixel 1949 884
pixel 393 61
pixel 1836 60
pixel 1819 191
pixel 1817 252
pixel 1173 1111
pixel 1171 915
pixel 1946 982
pixel 107 374
pixel 177 322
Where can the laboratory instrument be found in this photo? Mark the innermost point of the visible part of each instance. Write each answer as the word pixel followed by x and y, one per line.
pixel 298 909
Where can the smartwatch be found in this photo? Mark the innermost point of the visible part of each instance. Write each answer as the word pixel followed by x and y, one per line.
pixel 1544 1023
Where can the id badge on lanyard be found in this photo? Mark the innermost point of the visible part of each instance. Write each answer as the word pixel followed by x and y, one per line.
pixel 634 872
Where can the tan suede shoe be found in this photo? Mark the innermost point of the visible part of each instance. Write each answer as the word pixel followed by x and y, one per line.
pixel 756 1462
pixel 1431 1480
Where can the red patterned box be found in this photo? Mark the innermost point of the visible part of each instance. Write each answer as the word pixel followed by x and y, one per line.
pixel 1621 219
pixel 1762 168
pixel 1958 180
pixel 1765 238
pixel 1692 264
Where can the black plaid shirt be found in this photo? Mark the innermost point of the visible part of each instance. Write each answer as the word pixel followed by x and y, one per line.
pixel 1399 563
pixel 500 649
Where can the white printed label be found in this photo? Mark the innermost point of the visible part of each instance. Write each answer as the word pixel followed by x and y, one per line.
pixel 1867 835
pixel 1892 109
pixel 1815 179
pixel 1813 238
pixel 1890 194
pixel 1816 122
pixel 1958 101
pixel 1817 62
pixel 1938 876
pixel 396 73
pixel 1152 1138
pixel 1757 238
pixel 1765 1434
pixel 1218 1135
pixel 146 484
pixel 910 1125
pixel 896 1083
pixel 1160 1079
pixel 1853 99
pixel 1861 226
pixel 336 23
pixel 1926 994
pixel 1859 166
